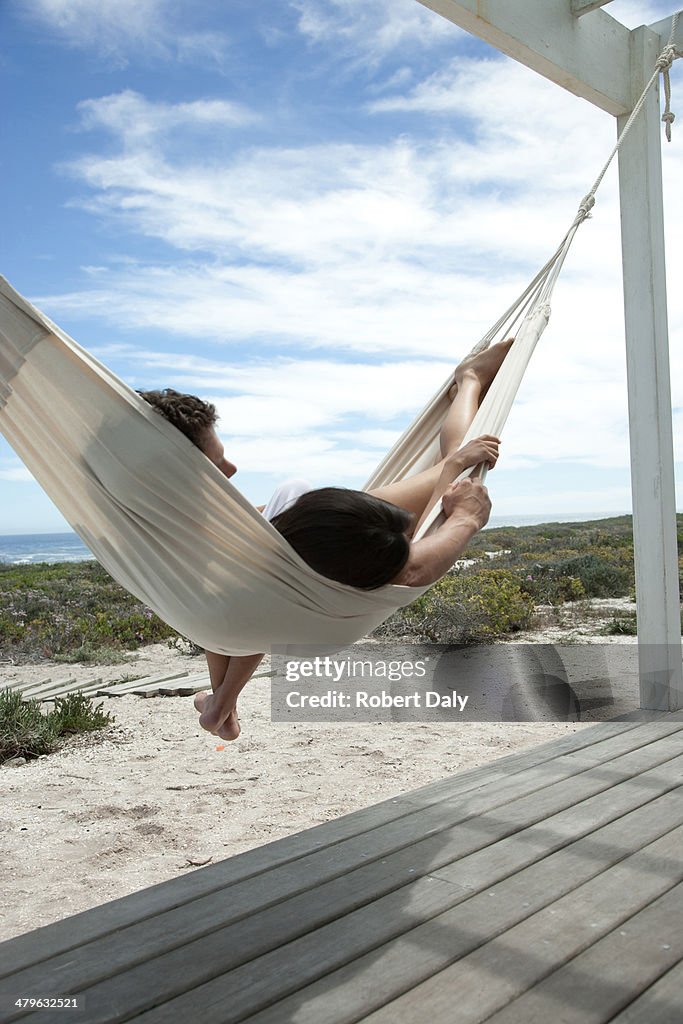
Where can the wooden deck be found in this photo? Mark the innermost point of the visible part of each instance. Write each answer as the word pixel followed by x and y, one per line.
pixel 546 887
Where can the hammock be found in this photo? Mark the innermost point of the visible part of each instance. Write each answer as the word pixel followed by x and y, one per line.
pixel 166 523
pixel 163 520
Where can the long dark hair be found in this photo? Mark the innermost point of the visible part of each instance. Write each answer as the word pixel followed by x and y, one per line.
pixel 348 536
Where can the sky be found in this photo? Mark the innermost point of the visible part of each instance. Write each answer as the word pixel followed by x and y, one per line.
pixel 307 211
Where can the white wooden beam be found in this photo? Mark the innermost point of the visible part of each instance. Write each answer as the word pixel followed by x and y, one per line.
pixel 587 56
pixel 649 391
pixel 580 7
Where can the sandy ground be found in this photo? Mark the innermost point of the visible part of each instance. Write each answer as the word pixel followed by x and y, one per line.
pixel 154 796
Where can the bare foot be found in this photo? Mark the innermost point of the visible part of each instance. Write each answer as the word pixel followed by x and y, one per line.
pixel 481 367
pixel 213 718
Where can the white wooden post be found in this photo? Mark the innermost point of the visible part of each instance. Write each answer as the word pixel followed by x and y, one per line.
pixel 649 394
pixel 597 58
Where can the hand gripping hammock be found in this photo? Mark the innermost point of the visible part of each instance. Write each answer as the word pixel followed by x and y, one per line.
pixel 164 521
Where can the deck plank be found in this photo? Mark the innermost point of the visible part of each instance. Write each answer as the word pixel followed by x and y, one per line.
pixel 506 967
pixel 599 982
pixel 527 878
pixel 386 952
pixel 661 1003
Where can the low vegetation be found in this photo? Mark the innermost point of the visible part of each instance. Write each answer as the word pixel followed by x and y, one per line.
pixel 513 574
pixel 26 731
pixel 76 612
pixel 71 611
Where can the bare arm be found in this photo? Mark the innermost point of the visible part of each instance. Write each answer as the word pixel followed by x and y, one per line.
pixel 481 450
pixel 467 506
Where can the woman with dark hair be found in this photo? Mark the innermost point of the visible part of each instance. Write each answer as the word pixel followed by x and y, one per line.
pixel 348 536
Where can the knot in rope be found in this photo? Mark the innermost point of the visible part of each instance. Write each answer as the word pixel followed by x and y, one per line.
pixel 585 207
pixel 664 62
pixel 668 116
pixel 666 57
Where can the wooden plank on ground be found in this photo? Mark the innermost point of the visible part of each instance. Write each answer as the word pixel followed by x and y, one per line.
pixel 45 691
pixel 25 950
pixel 131 685
pixel 193 928
pixel 13 684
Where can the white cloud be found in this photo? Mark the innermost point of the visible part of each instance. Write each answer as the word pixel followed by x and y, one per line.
pixel 306 412
pixel 633 13
pixel 448 201
pixel 368 32
pixel 593 500
pixel 136 120
pixel 117 30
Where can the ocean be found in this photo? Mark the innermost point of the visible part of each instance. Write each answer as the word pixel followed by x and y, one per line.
pixel 29 548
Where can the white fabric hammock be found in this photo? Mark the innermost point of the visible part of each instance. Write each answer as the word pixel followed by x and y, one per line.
pixel 163 520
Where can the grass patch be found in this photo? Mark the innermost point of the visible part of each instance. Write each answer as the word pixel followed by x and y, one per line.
pixel 89 654
pixel 72 612
pixel 76 713
pixel 621 625
pixel 26 732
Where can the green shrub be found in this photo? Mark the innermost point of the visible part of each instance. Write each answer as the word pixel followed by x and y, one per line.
pixel 26 732
pixel 546 586
pixel 598 576
pixel 470 608
pixel 92 654
pixel 77 713
pixel 70 611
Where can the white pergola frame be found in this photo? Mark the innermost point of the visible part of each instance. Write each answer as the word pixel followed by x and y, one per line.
pixel 594 56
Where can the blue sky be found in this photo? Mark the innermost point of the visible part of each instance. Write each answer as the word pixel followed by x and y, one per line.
pixel 307 211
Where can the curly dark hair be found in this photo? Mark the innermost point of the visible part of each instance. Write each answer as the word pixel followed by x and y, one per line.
pixel 190 414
